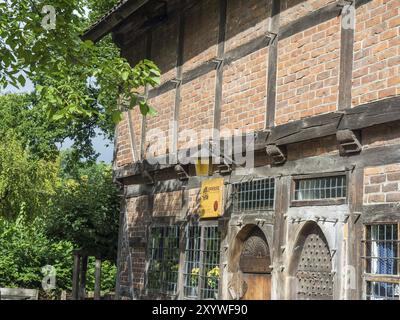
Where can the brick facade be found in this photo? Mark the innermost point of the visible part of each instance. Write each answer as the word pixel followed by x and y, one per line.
pixel 167 204
pixel 197 110
pixel 201 34
pixel 376 51
pixel 308 73
pixel 308 65
pixel 244 83
pixel 159 128
pixel 382 184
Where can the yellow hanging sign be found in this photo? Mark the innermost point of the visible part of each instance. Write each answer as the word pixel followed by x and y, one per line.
pixel 202 168
pixel 211 198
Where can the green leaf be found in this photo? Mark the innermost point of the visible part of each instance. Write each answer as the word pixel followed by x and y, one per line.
pixel 21 80
pixel 125 75
pixel 116 116
pixel 152 112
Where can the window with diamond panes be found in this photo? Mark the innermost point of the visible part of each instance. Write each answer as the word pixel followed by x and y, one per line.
pixel 201 274
pixel 164 260
pixel 255 195
pixel 323 188
pixel 382 259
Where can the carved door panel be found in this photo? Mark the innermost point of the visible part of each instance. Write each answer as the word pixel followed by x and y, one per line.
pixel 255 264
pixel 314 271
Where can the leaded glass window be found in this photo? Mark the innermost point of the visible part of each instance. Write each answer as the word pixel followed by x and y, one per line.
pixel 164 259
pixel 382 260
pixel 320 188
pixel 202 252
pixel 255 195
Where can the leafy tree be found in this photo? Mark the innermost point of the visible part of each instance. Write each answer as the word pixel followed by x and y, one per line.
pixel 25 250
pixel 26 184
pixel 60 64
pixel 85 210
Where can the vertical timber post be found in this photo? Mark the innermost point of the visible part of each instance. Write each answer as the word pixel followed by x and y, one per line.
pixel 75 277
pixel 82 289
pixel 97 279
pixel 272 64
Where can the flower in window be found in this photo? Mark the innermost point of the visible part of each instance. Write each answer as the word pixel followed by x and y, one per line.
pixel 213 277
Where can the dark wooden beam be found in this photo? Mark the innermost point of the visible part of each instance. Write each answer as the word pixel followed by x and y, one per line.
pixel 370 114
pixel 220 64
pixel 75 276
pixel 272 65
pixel 82 287
pixel 116 16
pixel 97 280
pixel 383 213
pixel 248 48
pixel 149 40
pixel 379 112
pixel 306 129
pixel 346 55
pixel 178 81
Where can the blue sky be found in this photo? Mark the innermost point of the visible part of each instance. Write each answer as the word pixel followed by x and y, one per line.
pixel 99 143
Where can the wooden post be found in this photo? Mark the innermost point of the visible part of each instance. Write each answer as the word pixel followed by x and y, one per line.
pixel 82 289
pixel 75 277
pixel 97 280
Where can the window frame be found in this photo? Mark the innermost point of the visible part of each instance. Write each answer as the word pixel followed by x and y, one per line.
pixel 379 278
pixel 318 202
pixel 235 201
pixel 201 275
pixel 149 249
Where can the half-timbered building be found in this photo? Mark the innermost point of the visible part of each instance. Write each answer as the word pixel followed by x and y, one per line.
pixel 311 90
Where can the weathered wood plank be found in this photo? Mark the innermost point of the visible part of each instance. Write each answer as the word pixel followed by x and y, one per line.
pixel 223 4
pixel 306 129
pixel 272 65
pixel 245 49
pixel 346 56
pixel 370 114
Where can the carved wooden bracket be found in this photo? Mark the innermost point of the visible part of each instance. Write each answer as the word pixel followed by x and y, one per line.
pixel 277 153
pixel 349 142
pixel 182 174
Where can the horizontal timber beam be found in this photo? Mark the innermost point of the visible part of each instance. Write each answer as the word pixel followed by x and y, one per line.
pixel 297 131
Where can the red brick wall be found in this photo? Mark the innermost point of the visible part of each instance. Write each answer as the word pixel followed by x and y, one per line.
pixel 244 93
pixel 246 20
pixel 382 184
pixel 244 82
pixel 164 49
pixel 124 154
pixel 377 51
pixel 137 219
pixel 167 204
pixel 308 72
pixel 201 34
pixel 197 108
pixel 159 143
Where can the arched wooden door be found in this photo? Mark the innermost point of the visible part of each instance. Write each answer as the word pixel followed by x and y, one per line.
pixel 314 270
pixel 255 264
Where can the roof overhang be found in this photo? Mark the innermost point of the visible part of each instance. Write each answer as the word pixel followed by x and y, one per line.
pixel 112 19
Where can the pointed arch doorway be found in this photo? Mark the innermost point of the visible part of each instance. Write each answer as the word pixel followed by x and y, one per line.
pixel 312 265
pixel 255 264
